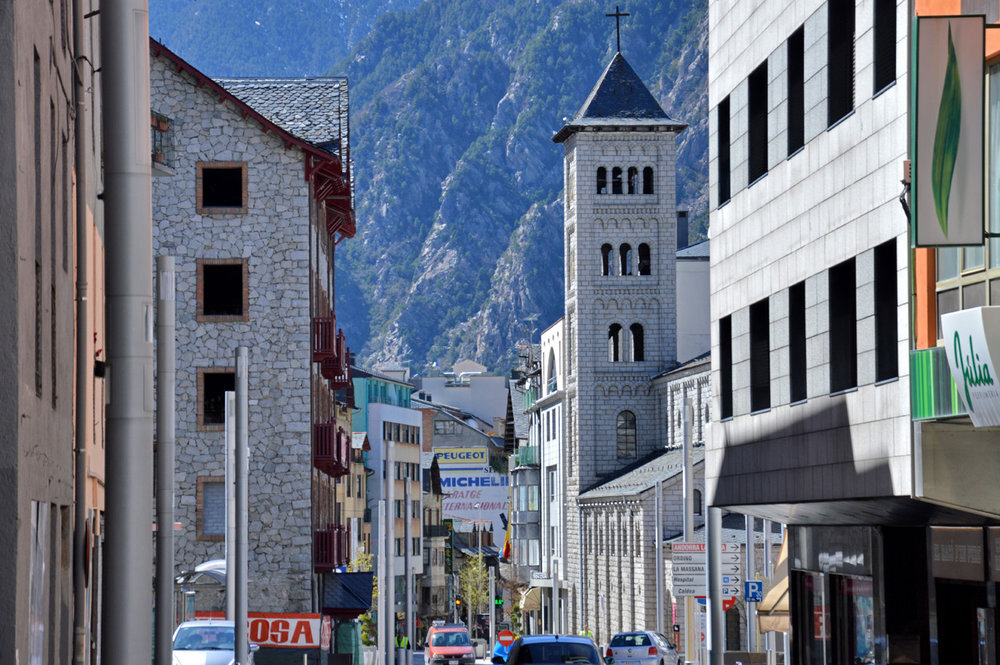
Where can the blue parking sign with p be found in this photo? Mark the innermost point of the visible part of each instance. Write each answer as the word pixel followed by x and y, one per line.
pixel 753 591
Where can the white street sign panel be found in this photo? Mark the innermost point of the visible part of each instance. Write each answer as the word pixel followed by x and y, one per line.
pixel 731 579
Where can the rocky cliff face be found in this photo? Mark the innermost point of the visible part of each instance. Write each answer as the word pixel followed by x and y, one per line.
pixel 454 103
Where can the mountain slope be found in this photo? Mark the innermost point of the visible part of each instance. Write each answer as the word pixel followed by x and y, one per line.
pixel 459 184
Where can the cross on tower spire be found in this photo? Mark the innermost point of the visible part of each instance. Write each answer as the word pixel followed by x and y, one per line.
pixel 618 26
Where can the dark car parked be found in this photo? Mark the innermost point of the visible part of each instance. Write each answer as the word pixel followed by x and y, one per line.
pixel 552 650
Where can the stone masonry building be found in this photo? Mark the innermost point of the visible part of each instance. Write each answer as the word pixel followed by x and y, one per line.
pixel 251 194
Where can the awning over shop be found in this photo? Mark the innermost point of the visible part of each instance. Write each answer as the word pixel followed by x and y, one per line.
pixel 772 612
pixel 347 595
pixel 531 600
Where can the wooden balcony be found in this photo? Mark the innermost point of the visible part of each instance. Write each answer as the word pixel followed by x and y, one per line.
pixel 338 368
pixel 324 338
pixel 330 548
pixel 331 449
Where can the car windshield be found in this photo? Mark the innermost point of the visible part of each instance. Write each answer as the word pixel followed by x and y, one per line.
pixel 558 652
pixel 450 639
pixel 630 640
pixel 204 638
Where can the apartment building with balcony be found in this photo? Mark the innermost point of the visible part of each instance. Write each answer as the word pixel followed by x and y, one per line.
pixel 251 195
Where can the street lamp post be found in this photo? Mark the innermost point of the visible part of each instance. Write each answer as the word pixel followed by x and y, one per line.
pixel 479 507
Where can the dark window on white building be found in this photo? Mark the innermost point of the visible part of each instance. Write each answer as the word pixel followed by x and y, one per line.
pixel 625 431
pixel 843 327
pixel 722 138
pixel 886 343
pixel 757 129
pixel 647 180
pixel 725 367
pixel 760 356
pixel 796 90
pixel 797 342
pixel 840 60
pixel 602 180
pixel 885 44
pixel 615 342
pixel 644 261
pixel 616 180
pixel 606 254
pixel 633 179
pixel 637 342
pixel 625 257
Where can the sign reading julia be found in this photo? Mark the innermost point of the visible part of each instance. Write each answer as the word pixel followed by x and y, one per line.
pixel 968 334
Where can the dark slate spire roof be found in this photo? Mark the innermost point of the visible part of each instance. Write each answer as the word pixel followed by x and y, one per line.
pixel 619 101
pixel 313 109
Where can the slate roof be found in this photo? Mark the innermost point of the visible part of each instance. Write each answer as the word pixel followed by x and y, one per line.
pixel 620 100
pixel 644 474
pixel 734 531
pixel 312 109
pixel 699 250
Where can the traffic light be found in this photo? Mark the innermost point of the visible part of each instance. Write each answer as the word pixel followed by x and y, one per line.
pixel 498 601
pixel 458 603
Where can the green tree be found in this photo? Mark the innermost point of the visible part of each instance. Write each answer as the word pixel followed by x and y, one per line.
pixel 362 563
pixel 473 584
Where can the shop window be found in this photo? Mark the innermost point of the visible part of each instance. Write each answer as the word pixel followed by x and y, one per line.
pixel 222 290
pixel 797 342
pixel 796 90
pixel 843 327
pixel 760 356
pixel 725 367
pixel 840 60
pixel 723 147
pixel 757 129
pixel 885 44
pixel 626 434
pixel 221 187
pixel 213 384
pixel 886 344
pixel 644 262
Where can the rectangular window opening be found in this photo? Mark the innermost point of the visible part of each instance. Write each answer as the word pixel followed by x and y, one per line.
pixel 885 44
pixel 722 112
pixel 213 396
pixel 886 356
pixel 843 327
pixel 222 187
pixel 760 356
pixel 840 60
pixel 797 342
pixel 223 291
pixel 796 90
pixel 757 130
pixel 725 367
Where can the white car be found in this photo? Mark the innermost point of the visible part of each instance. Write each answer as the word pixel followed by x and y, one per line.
pixel 208 642
pixel 641 647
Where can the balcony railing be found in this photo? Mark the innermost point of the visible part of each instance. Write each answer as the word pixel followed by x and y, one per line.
pixel 435 531
pixel 530 397
pixel 330 547
pixel 324 338
pixel 526 456
pixel 331 449
pixel 337 369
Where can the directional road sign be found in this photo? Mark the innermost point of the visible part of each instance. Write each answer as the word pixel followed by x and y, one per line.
pixel 730 580
pixel 734 590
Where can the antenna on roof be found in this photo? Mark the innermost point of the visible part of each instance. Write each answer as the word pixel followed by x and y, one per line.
pixel 618 26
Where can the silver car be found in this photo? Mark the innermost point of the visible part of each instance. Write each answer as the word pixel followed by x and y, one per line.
pixel 641 647
pixel 206 643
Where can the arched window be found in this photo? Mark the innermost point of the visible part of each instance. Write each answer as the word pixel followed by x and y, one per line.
pixel 602 180
pixel 625 259
pixel 697 502
pixel 616 342
pixel 606 250
pixel 625 431
pixel 552 380
pixel 616 180
pixel 644 259
pixel 633 179
pixel 647 180
pixel 637 342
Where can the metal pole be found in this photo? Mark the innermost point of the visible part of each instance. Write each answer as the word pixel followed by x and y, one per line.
pixel 230 505
pixel 692 614
pixel 390 554
pixel 658 544
pixel 166 373
pixel 242 471
pixel 750 565
pixel 408 574
pixel 493 625
pixel 716 617
pixel 769 636
pixel 127 617
pixel 383 642
pixel 84 373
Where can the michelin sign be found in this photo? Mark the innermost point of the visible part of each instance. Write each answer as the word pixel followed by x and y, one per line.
pixel 473 490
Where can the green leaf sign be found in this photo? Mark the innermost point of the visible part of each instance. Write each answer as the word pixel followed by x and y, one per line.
pixel 949 128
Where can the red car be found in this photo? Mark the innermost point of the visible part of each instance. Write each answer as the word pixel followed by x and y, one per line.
pixel 449 644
